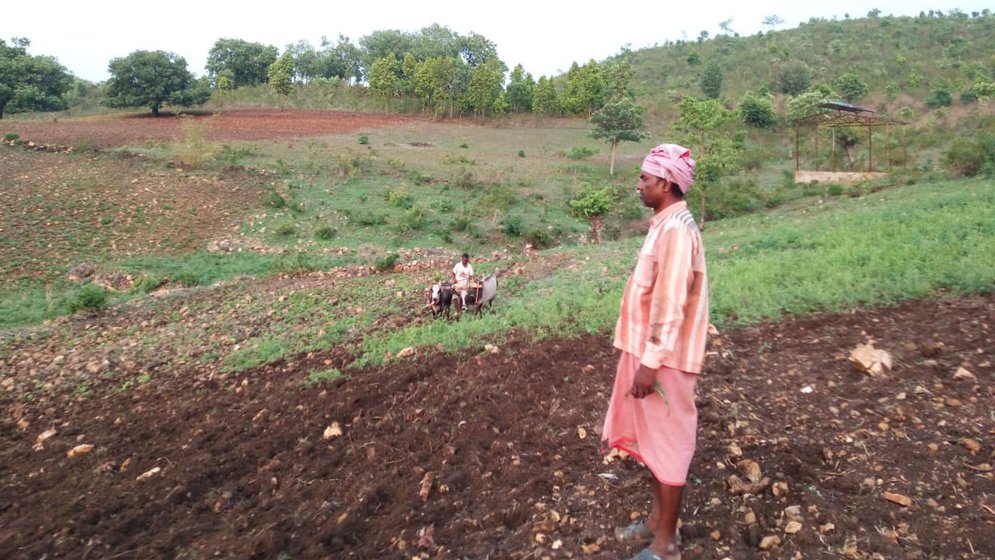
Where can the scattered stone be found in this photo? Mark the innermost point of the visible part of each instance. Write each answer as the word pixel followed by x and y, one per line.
pixel 581 432
pixel 869 359
pixel 963 373
pixel 792 527
pixel 407 352
pixel 794 513
pixel 826 528
pixel 149 474
pixel 79 450
pixel 42 437
pixel 334 430
pixel 770 542
pixel 491 348
pixel 750 469
pixel 971 445
pixel 716 535
pixel 750 518
pixel 779 489
pixel 739 486
pixel 899 499
pixel 735 451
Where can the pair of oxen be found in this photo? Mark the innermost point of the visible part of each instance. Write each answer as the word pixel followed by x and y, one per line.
pixel 442 297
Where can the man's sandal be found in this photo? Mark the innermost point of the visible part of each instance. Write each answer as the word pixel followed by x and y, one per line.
pixel 648 554
pixel 636 532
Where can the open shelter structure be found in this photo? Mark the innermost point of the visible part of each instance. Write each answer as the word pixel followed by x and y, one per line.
pixel 844 115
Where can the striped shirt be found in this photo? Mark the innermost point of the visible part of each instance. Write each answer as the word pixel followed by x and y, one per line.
pixel 664 312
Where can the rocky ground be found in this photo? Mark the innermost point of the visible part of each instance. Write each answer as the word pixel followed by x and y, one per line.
pixel 494 453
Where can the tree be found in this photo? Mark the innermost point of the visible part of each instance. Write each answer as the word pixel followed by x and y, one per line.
pixel 618 77
pixel 233 63
pixel 850 87
pixel 545 98
pixel 281 73
pixel 519 90
pixel 757 111
pixel 711 81
pixel 485 87
pixel 383 80
pixel 152 78
pixel 585 89
pixel 805 105
pixel 701 120
pixel 794 77
pixel 618 121
pixel 593 204
pixel 726 26
pixel 773 21
pixel 30 83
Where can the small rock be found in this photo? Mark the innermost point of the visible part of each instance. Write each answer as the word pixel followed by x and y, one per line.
pixel 716 536
pixel 793 513
pixel 409 351
pixel 971 445
pixel 792 527
pixel 750 469
pixel 750 518
pixel 899 499
pixel 42 437
pixel 826 528
pixel 149 474
pixel 334 430
pixel 770 542
pixel 735 451
pixel 963 373
pixel 491 348
pixel 79 450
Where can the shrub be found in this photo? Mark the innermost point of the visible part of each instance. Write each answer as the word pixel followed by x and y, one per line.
pixel 459 223
pixel 322 376
pixel 539 238
pixel 364 140
pixel 386 262
pixel 400 198
pixel 512 226
pixel 189 279
pixel 145 284
pixel 276 200
pixel 325 233
pixel 11 137
pixel 414 218
pixel 940 97
pixel 90 297
pixel 285 228
pixel 521 153
pixel 580 152
pixel 972 155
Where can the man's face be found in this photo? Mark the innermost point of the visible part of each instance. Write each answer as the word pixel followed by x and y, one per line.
pixel 651 189
pixel 465 260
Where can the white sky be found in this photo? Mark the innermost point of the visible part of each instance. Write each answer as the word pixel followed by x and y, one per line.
pixel 546 37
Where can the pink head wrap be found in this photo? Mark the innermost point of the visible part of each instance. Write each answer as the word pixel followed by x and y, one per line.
pixel 673 163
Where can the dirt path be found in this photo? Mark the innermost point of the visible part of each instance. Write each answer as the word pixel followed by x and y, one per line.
pixel 495 455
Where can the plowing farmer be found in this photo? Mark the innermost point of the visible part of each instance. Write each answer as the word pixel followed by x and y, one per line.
pixel 661 332
pixel 462 274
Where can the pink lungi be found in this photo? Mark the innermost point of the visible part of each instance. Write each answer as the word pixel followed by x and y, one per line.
pixel 661 437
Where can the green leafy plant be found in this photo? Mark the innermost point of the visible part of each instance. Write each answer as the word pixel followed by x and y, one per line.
pixel 90 297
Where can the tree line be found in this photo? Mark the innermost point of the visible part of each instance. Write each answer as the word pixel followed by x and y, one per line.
pixel 433 71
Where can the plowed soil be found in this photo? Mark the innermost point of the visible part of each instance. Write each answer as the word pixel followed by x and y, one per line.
pixel 235 124
pixel 496 455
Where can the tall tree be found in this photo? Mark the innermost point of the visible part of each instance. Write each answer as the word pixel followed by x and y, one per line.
pixel 30 83
pixel 702 121
pixel 152 78
pixel 711 81
pixel 545 98
pixel 794 77
pixel 757 111
pixel 233 63
pixel 383 79
pixel 281 74
pixel 585 88
pixel 850 87
pixel 519 90
pixel 618 121
pixel 485 87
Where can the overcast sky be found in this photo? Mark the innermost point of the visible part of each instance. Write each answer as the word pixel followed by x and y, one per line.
pixel 546 37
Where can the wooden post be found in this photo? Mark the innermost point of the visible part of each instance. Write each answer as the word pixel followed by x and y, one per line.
pixel 834 149
pixel 870 148
pixel 817 148
pixel 797 162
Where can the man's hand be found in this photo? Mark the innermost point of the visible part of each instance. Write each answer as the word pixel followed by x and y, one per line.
pixel 644 382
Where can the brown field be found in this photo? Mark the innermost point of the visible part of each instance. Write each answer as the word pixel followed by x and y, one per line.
pixel 474 455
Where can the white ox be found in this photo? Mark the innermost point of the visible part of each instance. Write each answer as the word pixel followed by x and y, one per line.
pixel 476 297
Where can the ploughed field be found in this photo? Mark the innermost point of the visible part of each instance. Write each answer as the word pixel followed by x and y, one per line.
pixel 116 444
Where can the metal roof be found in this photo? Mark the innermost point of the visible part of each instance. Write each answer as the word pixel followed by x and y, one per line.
pixel 840 106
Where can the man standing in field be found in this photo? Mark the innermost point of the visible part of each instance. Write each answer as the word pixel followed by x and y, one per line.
pixel 661 332
pixel 462 274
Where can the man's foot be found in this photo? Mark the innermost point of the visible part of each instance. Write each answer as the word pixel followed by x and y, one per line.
pixel 647 553
pixel 635 533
